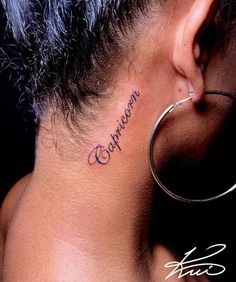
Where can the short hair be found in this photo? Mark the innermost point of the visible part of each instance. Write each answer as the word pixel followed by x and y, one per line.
pixel 65 51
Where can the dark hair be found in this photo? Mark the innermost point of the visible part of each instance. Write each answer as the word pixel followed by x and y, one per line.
pixel 66 48
pixel 66 51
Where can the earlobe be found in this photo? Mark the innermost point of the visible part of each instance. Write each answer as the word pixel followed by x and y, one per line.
pixel 187 49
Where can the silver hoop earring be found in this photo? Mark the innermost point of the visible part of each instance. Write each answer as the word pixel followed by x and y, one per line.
pixel 151 149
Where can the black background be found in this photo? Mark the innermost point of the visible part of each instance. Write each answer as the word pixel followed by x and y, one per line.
pixel 17 134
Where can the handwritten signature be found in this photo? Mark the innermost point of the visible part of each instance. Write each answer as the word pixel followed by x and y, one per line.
pixel 199 266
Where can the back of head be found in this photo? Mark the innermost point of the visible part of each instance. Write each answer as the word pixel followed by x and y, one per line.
pixel 66 52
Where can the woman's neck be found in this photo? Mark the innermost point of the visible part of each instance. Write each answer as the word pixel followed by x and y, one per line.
pixel 97 212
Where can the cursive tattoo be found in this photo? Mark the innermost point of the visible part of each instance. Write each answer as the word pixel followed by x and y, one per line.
pixel 102 154
pixel 197 267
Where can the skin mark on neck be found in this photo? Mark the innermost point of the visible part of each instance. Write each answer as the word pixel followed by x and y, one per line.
pixel 101 155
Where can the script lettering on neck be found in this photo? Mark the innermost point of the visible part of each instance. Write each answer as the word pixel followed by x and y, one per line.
pixel 102 154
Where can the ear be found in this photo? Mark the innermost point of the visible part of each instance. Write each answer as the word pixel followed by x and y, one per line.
pixel 187 49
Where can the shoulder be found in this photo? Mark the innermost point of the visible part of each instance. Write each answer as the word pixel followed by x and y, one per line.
pixel 10 202
pixel 6 212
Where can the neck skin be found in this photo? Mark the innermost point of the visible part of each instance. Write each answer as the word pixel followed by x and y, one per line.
pixel 96 213
pixel 106 198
